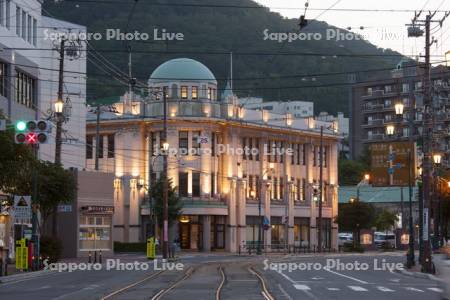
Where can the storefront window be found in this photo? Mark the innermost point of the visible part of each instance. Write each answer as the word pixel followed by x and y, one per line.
pixel 301 232
pixel 95 232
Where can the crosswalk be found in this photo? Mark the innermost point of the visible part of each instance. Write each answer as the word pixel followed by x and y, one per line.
pixel 368 288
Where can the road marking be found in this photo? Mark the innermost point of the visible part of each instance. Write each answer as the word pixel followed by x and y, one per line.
pixel 285 294
pixel 394 280
pixel 413 289
pixel 302 287
pixel 316 278
pixel 435 289
pixel 357 288
pixel 333 289
pixel 349 277
pixel 384 289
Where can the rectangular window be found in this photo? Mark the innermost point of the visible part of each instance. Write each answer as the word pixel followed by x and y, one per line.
pixel 155 144
pixel 183 142
pixel 111 145
pixel 250 148
pixel 2 12
pixel 18 22
pixel 275 188
pixel 24 25
pixel 100 147
pixel 209 93
pixel 25 90
pixel 194 93
pixel 195 184
pixel 257 186
pixel 281 188
pixel 314 150
pixel 244 148
pixel 166 92
pixel 8 14
pixel 281 151
pixel 29 24
pixel 257 149
pixel 183 184
pixel 3 77
pixel 325 156
pixel 34 32
pixel 294 155
pixel 213 144
pixel 196 146
pixel 89 145
pixel 303 189
pixel 213 184
pixel 184 92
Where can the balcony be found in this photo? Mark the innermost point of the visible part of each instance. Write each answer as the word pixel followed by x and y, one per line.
pixel 376 137
pixel 374 123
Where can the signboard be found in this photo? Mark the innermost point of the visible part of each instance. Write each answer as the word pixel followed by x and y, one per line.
pixel 64 208
pixel 425 224
pixel 202 139
pixel 22 209
pixel 366 239
pixel 389 161
pixel 21 255
pixel 98 209
pixel 404 239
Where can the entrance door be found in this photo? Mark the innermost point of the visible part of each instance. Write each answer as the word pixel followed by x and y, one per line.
pixel 185 236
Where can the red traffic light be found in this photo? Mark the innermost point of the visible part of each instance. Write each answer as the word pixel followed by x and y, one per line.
pixel 31 138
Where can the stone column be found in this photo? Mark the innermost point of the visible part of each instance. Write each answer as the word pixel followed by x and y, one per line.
pixel 206 221
pixel 231 231
pixel 265 191
pixel 241 212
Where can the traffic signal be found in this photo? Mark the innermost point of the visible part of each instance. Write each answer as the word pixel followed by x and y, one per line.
pixel 32 132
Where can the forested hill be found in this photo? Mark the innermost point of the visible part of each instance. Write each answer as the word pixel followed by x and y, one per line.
pixel 211 31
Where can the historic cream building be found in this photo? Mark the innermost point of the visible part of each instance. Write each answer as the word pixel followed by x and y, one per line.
pixel 219 182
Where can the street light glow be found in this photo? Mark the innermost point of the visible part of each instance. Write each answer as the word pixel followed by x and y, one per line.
pixel 447 58
pixel 59 106
pixel 367 177
pixel 390 129
pixel 399 107
pixel 437 158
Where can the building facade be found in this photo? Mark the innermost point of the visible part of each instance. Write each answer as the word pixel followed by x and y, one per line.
pixel 298 109
pixel 373 107
pixel 224 160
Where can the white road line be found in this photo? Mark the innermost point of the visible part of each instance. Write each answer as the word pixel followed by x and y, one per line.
pixel 413 289
pixel 357 288
pixel 333 289
pixel 302 287
pixel 435 289
pixel 306 291
pixel 285 294
pixel 349 277
pixel 384 289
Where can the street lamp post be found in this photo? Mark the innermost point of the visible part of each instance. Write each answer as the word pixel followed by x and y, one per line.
pixel 165 242
pixel 261 194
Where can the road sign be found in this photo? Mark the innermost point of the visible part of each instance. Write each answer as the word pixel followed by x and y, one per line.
pixel 21 255
pixel 425 224
pixel 390 161
pixel 22 209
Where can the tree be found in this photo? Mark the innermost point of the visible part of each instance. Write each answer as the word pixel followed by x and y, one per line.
pixel 174 202
pixel 385 220
pixel 351 172
pixel 355 216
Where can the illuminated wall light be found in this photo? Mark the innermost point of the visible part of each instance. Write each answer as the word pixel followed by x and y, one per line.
pixel 311 123
pixel 265 116
pixel 133 183
pixel 289 119
pixel 241 112
pixel 117 183
pixel 230 111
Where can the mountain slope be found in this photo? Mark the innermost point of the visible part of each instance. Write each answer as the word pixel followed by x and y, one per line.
pixel 208 30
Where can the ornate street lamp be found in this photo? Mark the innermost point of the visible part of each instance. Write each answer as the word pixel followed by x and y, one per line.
pixel 437 158
pixel 59 106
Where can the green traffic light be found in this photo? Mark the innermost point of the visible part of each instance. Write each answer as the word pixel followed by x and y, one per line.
pixel 21 125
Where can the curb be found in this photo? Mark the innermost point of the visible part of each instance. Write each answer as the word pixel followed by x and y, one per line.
pixel 23 276
pixel 419 275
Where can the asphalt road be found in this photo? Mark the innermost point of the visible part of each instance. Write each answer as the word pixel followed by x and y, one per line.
pixel 314 281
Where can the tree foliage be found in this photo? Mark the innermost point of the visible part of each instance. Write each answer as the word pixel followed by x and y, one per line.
pixel 355 216
pixel 385 220
pixel 351 172
pixel 174 202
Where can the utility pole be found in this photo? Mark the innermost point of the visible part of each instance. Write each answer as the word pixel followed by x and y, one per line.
pixel 59 121
pixel 165 242
pixel 410 259
pixel 319 222
pixel 427 151
pixel 97 137
pixel 34 219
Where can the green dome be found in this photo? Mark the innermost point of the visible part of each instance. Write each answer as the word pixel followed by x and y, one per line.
pixel 182 69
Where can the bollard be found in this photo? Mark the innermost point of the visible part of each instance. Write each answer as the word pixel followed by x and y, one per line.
pixel 90 257
pixel 1 268
pixel 100 257
pixel 95 257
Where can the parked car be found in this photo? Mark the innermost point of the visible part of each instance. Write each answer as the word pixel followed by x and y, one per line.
pixel 344 238
pixel 384 240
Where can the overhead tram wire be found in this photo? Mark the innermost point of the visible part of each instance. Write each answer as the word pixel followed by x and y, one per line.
pixel 195 5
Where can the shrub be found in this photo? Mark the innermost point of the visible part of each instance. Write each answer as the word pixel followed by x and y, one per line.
pixel 348 247
pixel 130 247
pixel 51 248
